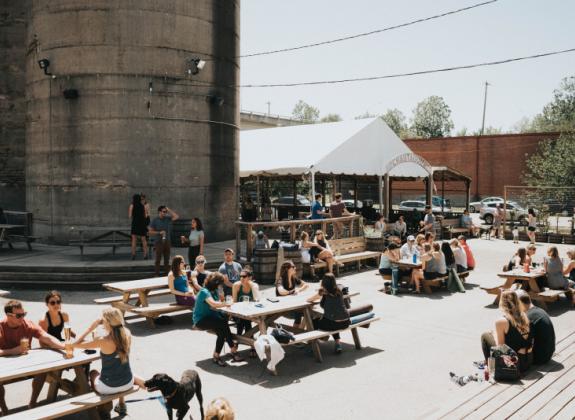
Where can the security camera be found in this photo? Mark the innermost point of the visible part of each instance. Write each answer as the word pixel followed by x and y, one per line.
pixel 44 64
pixel 196 65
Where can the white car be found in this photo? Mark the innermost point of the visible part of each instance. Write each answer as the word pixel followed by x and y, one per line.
pixel 514 212
pixel 413 205
pixel 349 204
pixel 476 205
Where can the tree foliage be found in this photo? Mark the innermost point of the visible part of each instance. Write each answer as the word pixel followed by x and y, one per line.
pixel 432 118
pixel 395 119
pixel 330 118
pixel 305 112
pixel 559 114
pixel 553 164
pixel 366 114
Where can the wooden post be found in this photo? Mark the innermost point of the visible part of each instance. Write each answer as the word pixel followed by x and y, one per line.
pixel 249 243
pixel 442 190
pixel 295 207
pixel 238 240
pixel 380 193
pixel 467 194
pixel 386 212
pixel 258 200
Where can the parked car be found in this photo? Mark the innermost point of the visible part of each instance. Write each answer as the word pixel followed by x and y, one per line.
pixel 287 200
pixel 349 204
pixel 437 201
pixel 514 212
pixel 413 205
pixel 475 206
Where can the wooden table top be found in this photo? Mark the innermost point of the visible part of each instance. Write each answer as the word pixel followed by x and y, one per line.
pixel 138 285
pixel 285 304
pixel 519 274
pixel 410 263
pixel 38 361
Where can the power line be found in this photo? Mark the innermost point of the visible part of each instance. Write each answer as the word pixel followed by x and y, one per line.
pixel 415 73
pixel 377 31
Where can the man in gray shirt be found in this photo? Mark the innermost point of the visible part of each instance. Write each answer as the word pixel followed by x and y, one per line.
pixel 231 271
pixel 428 220
pixel 160 233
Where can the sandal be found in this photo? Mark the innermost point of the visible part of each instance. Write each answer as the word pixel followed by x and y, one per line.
pixel 121 409
pixel 218 361
pixel 237 358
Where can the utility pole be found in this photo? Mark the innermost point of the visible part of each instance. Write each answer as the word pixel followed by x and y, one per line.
pixel 269 107
pixel 484 107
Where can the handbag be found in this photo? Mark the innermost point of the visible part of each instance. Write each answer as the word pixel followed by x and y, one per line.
pixel 506 363
pixel 282 335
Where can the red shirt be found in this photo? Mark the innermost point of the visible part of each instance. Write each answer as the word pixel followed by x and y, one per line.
pixel 470 259
pixel 10 337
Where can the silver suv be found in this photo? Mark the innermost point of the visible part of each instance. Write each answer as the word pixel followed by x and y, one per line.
pixel 514 212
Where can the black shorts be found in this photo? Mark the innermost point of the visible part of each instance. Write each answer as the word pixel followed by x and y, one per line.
pixel 429 275
pixel 531 229
pixel 386 271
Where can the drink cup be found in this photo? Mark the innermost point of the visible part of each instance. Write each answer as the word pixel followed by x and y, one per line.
pixel 25 344
pixel 491 366
pixel 69 350
pixel 245 299
pixel 188 272
pixel 67 332
pixel 229 299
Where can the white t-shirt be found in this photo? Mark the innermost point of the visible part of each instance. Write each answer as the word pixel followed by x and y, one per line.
pixel 460 256
pixel 406 252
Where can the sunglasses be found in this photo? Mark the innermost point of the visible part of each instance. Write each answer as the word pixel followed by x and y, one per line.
pixel 244 275
pixel 200 262
pixel 55 302
pixel 19 316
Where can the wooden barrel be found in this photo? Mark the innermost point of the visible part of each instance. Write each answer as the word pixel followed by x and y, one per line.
pixel 264 264
pixel 541 237
pixel 375 244
pixel 569 239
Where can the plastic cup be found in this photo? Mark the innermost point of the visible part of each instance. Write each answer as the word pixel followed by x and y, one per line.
pixel 491 366
pixel 229 299
pixel 69 350
pixel 25 344
pixel 245 299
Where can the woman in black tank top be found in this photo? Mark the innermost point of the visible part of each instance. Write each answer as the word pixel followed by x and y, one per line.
pixel 54 320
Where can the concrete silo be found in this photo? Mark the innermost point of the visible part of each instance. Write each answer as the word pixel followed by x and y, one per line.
pixel 120 111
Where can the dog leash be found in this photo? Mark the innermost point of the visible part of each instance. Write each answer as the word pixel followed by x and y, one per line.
pixel 160 398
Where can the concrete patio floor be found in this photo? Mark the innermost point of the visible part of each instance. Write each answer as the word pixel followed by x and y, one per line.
pixel 401 373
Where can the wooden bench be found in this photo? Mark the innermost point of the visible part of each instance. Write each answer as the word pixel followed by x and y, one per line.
pixel 319 334
pixel 451 226
pixel 155 310
pixel 69 406
pixel 347 250
pixel 21 238
pixel 100 244
pixel 112 299
pixel 551 295
pixel 428 284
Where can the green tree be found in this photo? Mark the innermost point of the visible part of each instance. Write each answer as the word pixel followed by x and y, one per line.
pixel 553 164
pixel 524 125
pixel 366 114
pixel 432 118
pixel 330 118
pixel 488 130
pixel 559 114
pixel 305 112
pixel 395 119
pixel 461 132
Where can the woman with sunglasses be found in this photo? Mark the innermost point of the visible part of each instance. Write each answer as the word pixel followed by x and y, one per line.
pixel 178 283
pixel 289 284
pixel 54 320
pixel 199 274
pixel 245 290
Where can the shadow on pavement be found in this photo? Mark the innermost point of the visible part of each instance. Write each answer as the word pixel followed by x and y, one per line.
pixel 297 364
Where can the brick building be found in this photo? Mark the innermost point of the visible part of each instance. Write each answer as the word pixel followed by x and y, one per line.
pixel 492 161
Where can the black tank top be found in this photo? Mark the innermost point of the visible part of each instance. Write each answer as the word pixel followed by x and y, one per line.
pixel 515 340
pixel 55 330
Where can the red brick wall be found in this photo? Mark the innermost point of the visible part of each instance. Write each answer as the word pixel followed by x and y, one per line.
pixel 491 161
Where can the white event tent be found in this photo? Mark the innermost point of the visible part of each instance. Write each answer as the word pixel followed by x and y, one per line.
pixel 358 147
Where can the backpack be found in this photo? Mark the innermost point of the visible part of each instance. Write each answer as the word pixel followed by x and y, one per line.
pixel 506 363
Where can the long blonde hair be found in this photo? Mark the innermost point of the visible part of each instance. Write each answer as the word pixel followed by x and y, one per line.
pixel 512 310
pixel 120 334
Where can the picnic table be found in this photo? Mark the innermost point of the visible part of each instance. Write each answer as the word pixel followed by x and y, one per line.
pixel 526 279
pixel 52 362
pixel 409 264
pixel 135 296
pixel 4 293
pixel 114 237
pixel 265 313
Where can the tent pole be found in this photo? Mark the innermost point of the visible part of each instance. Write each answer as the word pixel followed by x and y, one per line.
pixel 380 193
pixel 312 189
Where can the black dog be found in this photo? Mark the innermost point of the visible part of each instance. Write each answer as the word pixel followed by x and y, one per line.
pixel 178 394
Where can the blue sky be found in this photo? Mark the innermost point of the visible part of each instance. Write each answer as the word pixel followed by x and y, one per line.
pixel 505 29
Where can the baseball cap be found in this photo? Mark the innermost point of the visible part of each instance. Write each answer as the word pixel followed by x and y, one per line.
pixel 411 238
